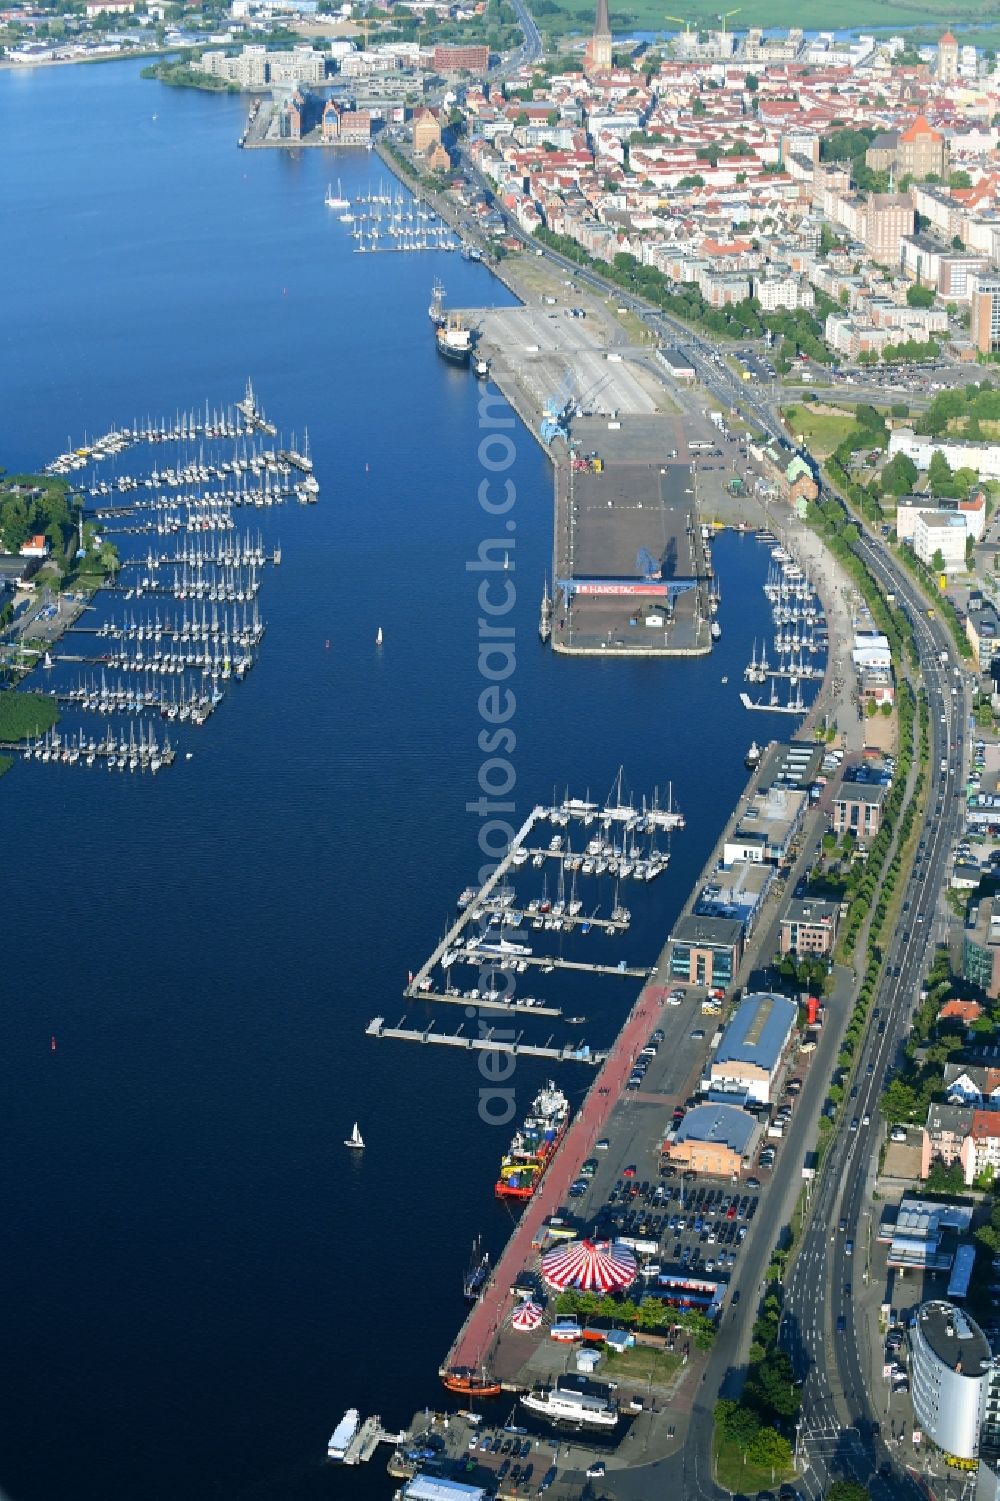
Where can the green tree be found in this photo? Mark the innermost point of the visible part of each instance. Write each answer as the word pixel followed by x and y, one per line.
pixel 939 475
pixel 767 1448
pixel 945 1180
pixel 899 475
pixel 847 1490
pixel 918 296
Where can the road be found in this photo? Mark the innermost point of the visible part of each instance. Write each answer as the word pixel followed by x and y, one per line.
pixel 839 1434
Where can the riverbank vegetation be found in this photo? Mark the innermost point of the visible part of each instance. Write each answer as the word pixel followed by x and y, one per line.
pixel 23 716
pixel 32 505
pixel 179 74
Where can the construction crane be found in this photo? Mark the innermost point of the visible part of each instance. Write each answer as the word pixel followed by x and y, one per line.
pixel 556 412
pixel 680 21
pixel 725 17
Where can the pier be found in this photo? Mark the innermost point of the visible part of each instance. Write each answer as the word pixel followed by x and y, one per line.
pixel 493 905
pixel 488 1043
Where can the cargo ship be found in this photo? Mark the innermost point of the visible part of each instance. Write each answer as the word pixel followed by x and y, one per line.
pixel 534 1144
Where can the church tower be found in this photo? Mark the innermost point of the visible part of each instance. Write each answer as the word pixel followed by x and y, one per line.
pixel 947 59
pixel 598 55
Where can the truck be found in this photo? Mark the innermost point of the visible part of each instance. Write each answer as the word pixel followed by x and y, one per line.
pixel 716 1039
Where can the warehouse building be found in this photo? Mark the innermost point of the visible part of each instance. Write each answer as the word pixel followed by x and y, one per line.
pixel 716 1141
pixel 749 1056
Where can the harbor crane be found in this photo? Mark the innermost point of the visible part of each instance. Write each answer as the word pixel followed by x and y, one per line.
pixel 647 565
pixel 556 412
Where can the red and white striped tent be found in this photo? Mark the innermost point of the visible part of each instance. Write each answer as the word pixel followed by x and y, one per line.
pixel 527 1315
pixel 593 1266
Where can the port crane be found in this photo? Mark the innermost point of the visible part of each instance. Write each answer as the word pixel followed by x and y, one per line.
pixel 647 565
pixel 556 412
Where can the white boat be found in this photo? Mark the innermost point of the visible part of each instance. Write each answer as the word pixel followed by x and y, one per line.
pixel 336 200
pixel 582 1409
pixel 345 1430
pixel 355 1139
pixel 378 636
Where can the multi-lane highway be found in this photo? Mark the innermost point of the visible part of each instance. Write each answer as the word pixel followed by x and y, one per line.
pixel 839 1406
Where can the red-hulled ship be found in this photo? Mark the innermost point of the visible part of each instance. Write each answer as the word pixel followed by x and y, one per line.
pixel 470 1383
pixel 534 1144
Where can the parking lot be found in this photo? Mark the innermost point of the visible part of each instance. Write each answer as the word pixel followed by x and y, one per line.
pixel 677 1223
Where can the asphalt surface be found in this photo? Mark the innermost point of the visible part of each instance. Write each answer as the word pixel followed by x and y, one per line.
pixel 839 1437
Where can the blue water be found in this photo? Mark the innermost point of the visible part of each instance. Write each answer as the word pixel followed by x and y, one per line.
pixel 198 1278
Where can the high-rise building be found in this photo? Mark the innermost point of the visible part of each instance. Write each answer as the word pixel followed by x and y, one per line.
pixel 888 217
pixel 947 58
pixel 598 54
pixel 985 313
pixel 950 1365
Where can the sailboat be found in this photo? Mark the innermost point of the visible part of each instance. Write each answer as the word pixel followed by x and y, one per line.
pixel 355 1139
pixel 378 636
pixel 336 200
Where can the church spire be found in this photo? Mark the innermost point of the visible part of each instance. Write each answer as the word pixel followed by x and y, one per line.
pixel 598 57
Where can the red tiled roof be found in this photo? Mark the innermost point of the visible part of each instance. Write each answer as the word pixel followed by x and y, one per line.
pixel 985 1123
pixel 966 1011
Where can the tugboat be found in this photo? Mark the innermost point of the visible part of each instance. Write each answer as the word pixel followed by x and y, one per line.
pixel 482 367
pixel 479 1270
pixel 752 758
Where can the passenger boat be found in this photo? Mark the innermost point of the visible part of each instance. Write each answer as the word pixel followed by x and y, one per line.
pixel 534 1144
pixel 470 1383
pixel 341 1436
pixel 583 1409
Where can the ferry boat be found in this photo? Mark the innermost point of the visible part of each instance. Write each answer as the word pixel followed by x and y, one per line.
pixel 341 1436
pixel 569 1404
pixel 470 1383
pixel 534 1144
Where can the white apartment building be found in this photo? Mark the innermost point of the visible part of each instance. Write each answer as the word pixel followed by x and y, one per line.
pixel 944 532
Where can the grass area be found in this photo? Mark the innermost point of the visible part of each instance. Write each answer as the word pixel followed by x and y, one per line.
pixel 809 14
pixel 6 762
pixel 822 431
pixel 643 1363
pixel 23 715
pixel 735 1473
pixel 576 17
